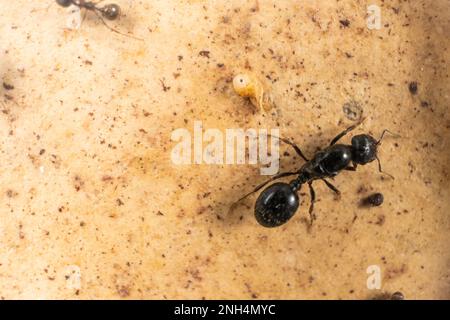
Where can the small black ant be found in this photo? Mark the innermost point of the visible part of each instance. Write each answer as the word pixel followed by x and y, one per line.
pixel 279 201
pixel 109 11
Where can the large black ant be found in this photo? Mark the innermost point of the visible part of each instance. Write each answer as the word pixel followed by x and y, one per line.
pixel 109 11
pixel 279 201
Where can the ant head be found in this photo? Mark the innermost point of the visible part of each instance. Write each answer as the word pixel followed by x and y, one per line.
pixel 364 149
pixel 111 11
pixel 64 3
pixel 276 205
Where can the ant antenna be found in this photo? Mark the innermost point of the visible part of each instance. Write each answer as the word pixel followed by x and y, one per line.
pixel 110 28
pixel 387 131
pixel 381 171
pixel 377 143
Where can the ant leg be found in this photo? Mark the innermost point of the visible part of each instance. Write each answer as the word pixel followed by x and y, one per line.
pixel 97 10
pixel 380 170
pixel 352 168
pixel 84 16
pixel 384 132
pixel 343 133
pixel 333 188
pixel 293 145
pixel 259 187
pixel 312 217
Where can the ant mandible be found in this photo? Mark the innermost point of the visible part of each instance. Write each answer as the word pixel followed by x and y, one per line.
pixel 109 11
pixel 279 201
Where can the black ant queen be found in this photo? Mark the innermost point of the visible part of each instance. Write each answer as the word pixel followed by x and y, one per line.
pixel 279 202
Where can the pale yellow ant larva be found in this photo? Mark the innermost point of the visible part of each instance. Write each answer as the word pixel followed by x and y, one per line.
pixel 249 86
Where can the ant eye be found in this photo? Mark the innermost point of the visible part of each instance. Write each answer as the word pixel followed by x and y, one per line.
pixel 111 11
pixel 276 205
pixel 64 3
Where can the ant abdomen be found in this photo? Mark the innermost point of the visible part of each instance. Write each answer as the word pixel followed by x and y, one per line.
pixel 64 3
pixel 276 205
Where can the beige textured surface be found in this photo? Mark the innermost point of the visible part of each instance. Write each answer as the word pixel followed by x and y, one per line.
pixel 92 207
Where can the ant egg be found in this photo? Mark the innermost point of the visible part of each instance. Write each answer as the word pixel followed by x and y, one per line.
pixel 248 86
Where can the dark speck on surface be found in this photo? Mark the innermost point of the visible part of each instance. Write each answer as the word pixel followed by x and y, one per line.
pixel 413 87
pixel 204 53
pixel 397 296
pixel 8 86
pixel 374 200
pixel 424 104
pixel 345 23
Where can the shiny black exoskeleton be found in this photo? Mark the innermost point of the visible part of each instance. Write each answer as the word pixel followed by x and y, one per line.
pixel 279 202
pixel 109 11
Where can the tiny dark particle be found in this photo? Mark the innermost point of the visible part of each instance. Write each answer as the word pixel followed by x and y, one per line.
pixel 424 104
pixel 204 53
pixel 123 291
pixel 11 193
pixel 397 296
pixel 413 87
pixel 8 86
pixel 380 220
pixel 345 23
pixel 374 200
pixel 164 87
